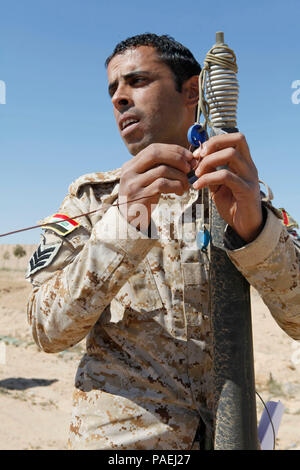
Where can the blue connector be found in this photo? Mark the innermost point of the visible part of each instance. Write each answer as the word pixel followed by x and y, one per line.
pixel 203 239
pixel 196 135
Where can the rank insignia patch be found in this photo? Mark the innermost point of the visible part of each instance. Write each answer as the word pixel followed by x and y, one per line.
pixel 42 257
pixel 61 224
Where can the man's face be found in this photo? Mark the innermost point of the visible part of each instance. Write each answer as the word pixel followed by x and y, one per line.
pixel 147 107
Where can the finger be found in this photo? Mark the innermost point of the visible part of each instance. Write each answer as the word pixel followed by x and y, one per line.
pixel 157 154
pixel 166 186
pixel 162 171
pixel 220 142
pixel 229 157
pixel 198 152
pixel 237 185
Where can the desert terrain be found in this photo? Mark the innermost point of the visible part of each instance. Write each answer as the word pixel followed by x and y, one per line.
pixel 36 388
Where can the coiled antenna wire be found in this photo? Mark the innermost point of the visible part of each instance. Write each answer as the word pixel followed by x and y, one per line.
pixel 219 83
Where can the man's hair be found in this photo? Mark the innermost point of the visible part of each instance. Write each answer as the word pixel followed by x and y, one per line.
pixel 178 57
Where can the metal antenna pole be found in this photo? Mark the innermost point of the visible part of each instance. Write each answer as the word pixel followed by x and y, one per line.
pixel 236 422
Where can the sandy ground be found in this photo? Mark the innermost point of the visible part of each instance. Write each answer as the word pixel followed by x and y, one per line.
pixel 36 388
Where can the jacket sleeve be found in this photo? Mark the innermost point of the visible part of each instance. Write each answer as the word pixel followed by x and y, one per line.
pixel 271 264
pixel 89 269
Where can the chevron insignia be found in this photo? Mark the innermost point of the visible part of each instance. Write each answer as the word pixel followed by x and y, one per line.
pixel 42 257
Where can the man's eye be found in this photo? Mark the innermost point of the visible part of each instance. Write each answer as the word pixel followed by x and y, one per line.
pixel 138 80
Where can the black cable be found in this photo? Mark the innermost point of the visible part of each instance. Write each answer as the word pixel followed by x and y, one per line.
pixel 265 406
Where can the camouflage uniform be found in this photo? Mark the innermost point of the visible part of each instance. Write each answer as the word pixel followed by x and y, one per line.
pixel 142 304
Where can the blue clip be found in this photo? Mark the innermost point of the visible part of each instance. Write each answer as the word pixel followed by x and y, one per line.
pixel 203 239
pixel 196 135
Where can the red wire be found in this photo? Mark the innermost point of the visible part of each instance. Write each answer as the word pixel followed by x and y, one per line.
pixel 70 218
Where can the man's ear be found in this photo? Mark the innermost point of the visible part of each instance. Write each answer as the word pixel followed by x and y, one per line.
pixel 190 89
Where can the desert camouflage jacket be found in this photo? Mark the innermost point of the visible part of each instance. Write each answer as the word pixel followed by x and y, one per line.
pixel 142 304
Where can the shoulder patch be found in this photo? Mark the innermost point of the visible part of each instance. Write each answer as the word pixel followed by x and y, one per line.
pixel 61 224
pixel 288 220
pixel 94 178
pixel 42 257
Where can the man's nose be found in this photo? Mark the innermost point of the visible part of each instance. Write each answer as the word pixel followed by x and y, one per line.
pixel 122 98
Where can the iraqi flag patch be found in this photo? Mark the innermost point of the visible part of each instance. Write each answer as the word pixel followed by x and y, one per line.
pixel 61 224
pixel 288 220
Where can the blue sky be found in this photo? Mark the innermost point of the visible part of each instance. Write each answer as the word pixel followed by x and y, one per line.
pixel 57 123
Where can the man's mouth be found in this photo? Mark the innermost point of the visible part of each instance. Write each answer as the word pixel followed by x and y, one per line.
pixel 127 123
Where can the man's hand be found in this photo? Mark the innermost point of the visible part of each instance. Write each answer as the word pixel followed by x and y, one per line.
pixel 159 168
pixel 235 190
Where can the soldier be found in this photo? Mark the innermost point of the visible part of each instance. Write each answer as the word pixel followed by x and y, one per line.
pixel 132 283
